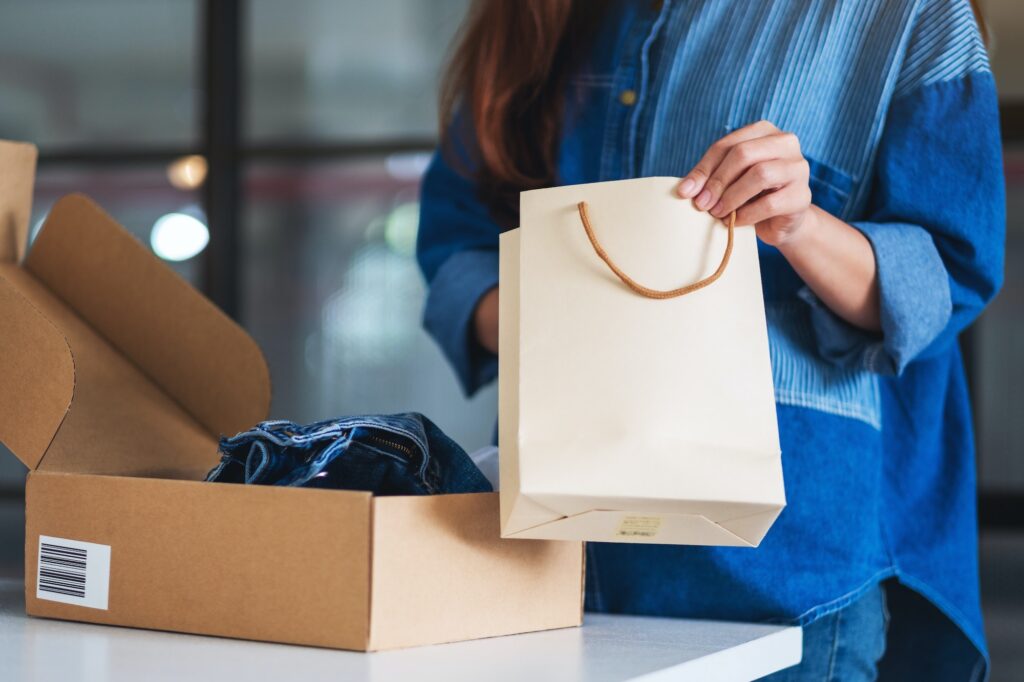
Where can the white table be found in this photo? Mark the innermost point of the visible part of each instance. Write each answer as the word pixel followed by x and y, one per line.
pixel 606 648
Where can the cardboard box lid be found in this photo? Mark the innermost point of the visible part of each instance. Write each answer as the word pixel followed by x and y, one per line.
pixel 111 362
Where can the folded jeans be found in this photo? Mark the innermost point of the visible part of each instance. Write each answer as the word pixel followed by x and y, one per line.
pixel 399 454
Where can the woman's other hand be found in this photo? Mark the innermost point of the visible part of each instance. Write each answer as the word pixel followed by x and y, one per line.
pixel 759 172
pixel 485 320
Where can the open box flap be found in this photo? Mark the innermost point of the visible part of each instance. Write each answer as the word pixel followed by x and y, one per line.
pixel 112 363
pixel 119 420
pixel 196 354
pixel 17 171
pixel 38 368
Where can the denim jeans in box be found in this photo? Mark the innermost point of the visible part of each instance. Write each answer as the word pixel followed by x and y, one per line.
pixel 400 454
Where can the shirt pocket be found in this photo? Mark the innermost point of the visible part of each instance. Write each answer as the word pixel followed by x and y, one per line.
pixel 830 188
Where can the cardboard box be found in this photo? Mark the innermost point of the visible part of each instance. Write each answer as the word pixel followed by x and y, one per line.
pixel 116 379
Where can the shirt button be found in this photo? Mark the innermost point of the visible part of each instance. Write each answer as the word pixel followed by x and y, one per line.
pixel 628 97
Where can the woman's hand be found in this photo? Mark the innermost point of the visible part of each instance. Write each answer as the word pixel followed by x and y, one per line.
pixel 759 172
pixel 485 320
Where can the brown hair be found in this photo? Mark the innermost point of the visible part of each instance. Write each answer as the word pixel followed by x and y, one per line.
pixel 506 82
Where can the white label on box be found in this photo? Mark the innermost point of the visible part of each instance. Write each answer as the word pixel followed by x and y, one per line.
pixel 639 527
pixel 73 572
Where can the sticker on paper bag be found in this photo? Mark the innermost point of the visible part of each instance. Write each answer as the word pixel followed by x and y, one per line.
pixel 639 527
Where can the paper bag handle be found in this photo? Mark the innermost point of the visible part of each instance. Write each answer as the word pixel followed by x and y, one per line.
pixel 641 289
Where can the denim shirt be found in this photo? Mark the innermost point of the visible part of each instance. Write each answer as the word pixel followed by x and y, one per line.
pixel 895 108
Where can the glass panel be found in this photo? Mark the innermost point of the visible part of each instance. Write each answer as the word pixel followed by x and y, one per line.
pixel 1000 365
pixel 137 197
pixel 1005 21
pixel 334 296
pixel 104 71
pixel 346 69
pixel 1002 601
pixel 12 535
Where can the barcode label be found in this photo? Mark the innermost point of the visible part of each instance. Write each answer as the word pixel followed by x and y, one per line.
pixel 73 572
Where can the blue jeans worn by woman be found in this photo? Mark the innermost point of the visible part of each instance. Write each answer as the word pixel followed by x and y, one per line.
pixel 844 646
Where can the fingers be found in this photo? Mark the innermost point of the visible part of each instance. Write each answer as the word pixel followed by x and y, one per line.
pixel 739 159
pixel 791 199
pixel 761 177
pixel 693 182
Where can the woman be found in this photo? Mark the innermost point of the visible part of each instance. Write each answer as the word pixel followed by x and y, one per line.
pixel 880 213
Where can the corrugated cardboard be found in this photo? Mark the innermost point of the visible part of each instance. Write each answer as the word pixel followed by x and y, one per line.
pixel 624 418
pixel 116 379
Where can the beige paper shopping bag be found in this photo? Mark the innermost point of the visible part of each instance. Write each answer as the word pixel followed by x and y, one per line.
pixel 626 418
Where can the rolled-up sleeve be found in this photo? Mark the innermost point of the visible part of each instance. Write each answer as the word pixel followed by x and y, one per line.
pixel 915 303
pixel 448 315
pixel 457 250
pixel 935 221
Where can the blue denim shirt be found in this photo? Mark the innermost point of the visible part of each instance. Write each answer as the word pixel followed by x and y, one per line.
pixel 895 107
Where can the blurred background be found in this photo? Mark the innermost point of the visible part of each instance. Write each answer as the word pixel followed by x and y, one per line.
pixel 298 131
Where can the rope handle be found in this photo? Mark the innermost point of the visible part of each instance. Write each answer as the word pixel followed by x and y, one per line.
pixel 641 289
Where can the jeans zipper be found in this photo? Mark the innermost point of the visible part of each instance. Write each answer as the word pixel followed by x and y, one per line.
pixel 398 446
